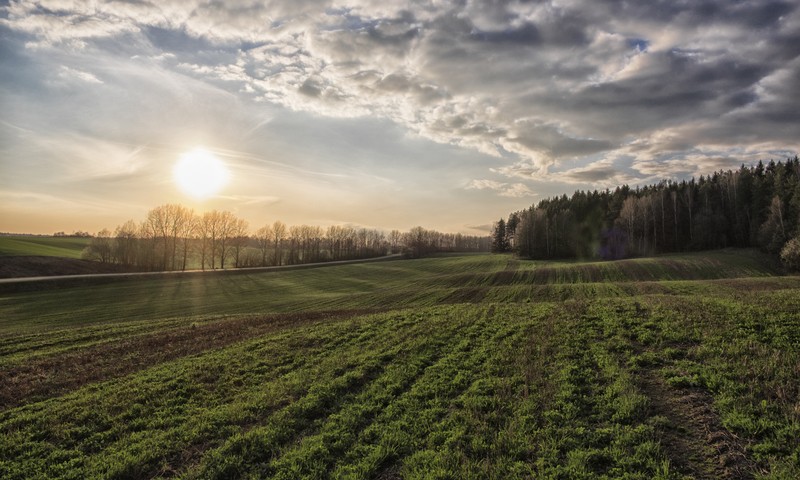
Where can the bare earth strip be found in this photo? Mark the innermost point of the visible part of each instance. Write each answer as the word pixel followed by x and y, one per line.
pixel 52 376
pixel 695 440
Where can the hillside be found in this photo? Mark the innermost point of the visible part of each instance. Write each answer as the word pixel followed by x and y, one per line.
pixel 67 247
pixel 479 366
pixel 19 266
pixel 33 256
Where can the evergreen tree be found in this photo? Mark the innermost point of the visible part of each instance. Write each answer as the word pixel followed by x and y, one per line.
pixel 499 239
pixel 751 206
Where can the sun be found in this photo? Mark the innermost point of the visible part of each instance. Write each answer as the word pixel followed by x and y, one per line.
pixel 200 174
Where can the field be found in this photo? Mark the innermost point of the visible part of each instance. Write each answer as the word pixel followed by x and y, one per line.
pixel 477 366
pixel 68 247
pixel 32 256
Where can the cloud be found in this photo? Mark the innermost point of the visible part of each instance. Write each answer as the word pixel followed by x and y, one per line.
pixel 603 173
pixel 571 92
pixel 250 200
pixel 71 74
pixel 485 185
pixel 485 228
pixel 600 174
pixel 550 142
pixel 514 190
pixel 56 204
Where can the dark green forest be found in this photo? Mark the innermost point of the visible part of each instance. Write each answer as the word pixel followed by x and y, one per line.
pixel 754 206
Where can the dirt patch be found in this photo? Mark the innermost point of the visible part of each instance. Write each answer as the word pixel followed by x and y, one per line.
pixel 694 439
pixel 52 376
pixel 39 266
pixel 390 474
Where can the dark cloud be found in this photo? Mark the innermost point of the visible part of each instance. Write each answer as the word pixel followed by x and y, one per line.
pixel 673 87
pixel 527 34
pixel 552 141
pixel 758 14
pixel 176 40
pixel 394 32
pixel 786 45
pixel 592 176
pixel 749 13
pixel 484 228
pixel 311 87
pixel 674 82
pixel 740 99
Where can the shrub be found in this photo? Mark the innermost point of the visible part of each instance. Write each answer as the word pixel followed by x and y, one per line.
pixel 790 254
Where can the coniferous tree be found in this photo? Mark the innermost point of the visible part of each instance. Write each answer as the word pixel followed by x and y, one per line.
pixel 751 206
pixel 499 239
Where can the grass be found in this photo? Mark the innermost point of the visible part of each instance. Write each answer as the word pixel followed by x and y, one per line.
pixel 396 284
pixel 476 366
pixel 69 247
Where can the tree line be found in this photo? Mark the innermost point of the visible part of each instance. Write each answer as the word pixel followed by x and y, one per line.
pixel 173 237
pixel 754 206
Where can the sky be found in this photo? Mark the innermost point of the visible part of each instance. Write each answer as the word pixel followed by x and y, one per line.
pixel 382 114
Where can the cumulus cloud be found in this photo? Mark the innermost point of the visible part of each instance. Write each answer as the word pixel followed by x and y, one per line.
pixel 536 85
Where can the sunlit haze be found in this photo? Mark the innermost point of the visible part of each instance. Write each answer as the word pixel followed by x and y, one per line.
pixel 378 114
pixel 200 174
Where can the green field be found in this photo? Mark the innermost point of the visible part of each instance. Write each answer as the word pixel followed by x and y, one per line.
pixel 69 247
pixel 479 366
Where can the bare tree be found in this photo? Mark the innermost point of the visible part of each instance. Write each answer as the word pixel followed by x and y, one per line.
pixel 100 247
pixel 239 240
pixel 209 230
pixel 126 243
pixel 264 237
pixel 335 241
pixel 148 246
pixel 628 217
pixel 188 233
pixel 226 225
pixel 158 223
pixel 394 240
pixel 279 235
pixel 181 230
pixel 294 245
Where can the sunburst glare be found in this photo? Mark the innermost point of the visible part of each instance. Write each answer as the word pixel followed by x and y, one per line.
pixel 200 174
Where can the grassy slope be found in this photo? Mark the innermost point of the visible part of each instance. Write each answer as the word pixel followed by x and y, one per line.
pixel 397 284
pixel 46 246
pixel 484 366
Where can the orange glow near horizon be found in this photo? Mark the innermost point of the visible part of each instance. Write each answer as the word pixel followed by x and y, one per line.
pixel 200 174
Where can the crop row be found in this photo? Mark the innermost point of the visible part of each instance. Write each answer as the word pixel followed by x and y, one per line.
pixel 580 389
